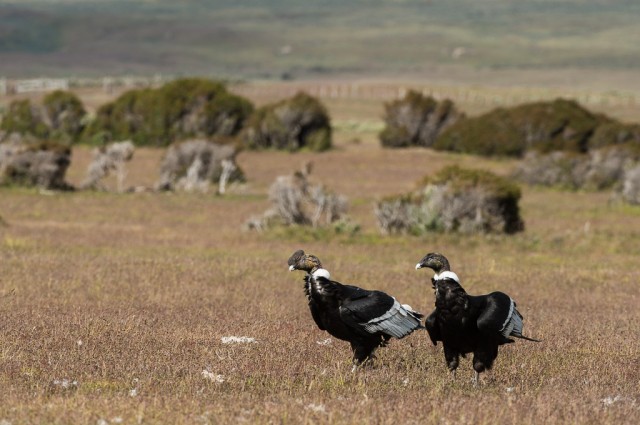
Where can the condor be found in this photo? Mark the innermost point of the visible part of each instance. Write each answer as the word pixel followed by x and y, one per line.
pixel 466 323
pixel 365 319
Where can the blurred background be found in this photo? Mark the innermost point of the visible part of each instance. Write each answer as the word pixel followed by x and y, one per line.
pixel 581 43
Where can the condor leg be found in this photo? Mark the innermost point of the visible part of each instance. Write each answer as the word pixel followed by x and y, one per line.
pixel 453 359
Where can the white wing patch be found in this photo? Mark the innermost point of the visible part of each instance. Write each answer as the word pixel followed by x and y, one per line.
pixel 398 321
pixel 513 324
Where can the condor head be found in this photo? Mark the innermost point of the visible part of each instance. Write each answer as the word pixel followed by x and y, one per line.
pixel 300 261
pixel 436 262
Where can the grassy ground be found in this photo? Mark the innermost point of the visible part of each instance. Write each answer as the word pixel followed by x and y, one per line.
pixel 114 306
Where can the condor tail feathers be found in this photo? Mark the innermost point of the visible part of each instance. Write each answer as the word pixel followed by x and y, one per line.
pixel 526 337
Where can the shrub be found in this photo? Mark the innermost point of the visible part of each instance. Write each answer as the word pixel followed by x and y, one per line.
pixel 544 126
pixel 596 170
pixel 64 115
pixel 292 124
pixel 42 164
pixel 22 117
pixel 454 200
pixel 60 118
pixel 295 201
pixel 178 110
pixel 196 164
pixel 107 159
pixel 630 188
pixel 614 133
pixel 416 120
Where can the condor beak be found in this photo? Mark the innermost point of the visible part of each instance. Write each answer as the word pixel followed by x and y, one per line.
pixel 418 266
pixel 292 268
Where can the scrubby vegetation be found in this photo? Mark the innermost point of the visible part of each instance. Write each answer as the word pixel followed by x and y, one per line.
pixel 630 188
pixel 542 126
pixel 64 115
pixel 42 164
pixel 180 109
pixel 301 122
pixel 60 118
pixel 196 164
pixel 296 201
pixel 597 169
pixel 24 118
pixel 416 120
pixel 108 159
pixel 454 200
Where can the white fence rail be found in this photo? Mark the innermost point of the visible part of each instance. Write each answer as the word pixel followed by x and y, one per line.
pixel 39 85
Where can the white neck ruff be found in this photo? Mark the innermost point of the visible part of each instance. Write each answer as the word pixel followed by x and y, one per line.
pixel 446 275
pixel 322 273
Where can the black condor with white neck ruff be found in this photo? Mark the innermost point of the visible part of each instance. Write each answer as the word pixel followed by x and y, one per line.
pixel 466 323
pixel 366 319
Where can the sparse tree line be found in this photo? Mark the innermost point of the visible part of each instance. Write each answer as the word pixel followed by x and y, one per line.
pixel 204 127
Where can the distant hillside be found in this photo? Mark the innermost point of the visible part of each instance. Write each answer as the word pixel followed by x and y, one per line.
pixel 292 38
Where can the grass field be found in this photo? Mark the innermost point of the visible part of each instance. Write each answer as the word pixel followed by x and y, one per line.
pixel 114 306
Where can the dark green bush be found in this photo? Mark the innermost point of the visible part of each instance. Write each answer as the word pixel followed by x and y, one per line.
pixel 301 122
pixel 60 118
pixel 613 133
pixel 180 109
pixel 24 118
pixel 543 126
pixel 64 115
pixel 416 120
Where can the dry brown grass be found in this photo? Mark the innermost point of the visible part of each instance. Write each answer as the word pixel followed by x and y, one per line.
pixel 135 291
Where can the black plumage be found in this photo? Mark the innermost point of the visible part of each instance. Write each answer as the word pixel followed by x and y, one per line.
pixel 366 319
pixel 469 324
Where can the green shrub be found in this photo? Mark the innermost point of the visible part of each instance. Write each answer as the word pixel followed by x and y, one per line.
pixel 24 118
pixel 544 126
pixel 416 120
pixel 613 133
pixel 301 122
pixel 180 109
pixel 64 115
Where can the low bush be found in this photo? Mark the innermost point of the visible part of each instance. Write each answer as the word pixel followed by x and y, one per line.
pixel 42 164
pixel 542 126
pixel 301 122
pixel 24 118
pixel 296 201
pixel 416 120
pixel 64 115
pixel 596 170
pixel 454 200
pixel 630 188
pixel 60 118
pixel 196 164
pixel 107 159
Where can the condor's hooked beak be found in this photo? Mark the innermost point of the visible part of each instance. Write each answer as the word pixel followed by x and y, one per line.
pixel 418 266
pixel 292 268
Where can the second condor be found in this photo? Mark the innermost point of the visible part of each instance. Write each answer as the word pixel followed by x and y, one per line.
pixel 366 319
pixel 466 323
